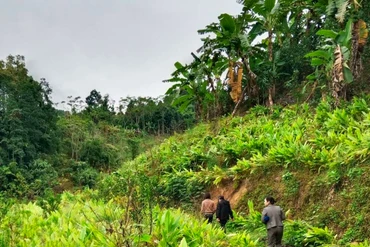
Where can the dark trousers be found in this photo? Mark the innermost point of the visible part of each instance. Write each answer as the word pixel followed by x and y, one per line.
pixel 208 217
pixel 274 236
pixel 223 224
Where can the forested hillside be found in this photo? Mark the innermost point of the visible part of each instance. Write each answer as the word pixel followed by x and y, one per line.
pixel 314 160
pixel 43 147
pixel 275 102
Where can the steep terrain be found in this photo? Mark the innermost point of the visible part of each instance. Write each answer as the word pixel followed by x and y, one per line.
pixel 313 160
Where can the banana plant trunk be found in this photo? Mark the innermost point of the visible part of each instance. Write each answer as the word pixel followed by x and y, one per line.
pixel 359 37
pixel 251 86
pixel 271 90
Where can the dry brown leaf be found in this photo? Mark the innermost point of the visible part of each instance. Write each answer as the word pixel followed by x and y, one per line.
pixel 235 80
pixel 337 73
pixel 363 34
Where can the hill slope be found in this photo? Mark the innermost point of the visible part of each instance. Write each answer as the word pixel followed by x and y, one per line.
pixel 314 161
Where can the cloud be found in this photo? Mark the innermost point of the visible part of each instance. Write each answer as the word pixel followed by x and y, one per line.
pixel 118 47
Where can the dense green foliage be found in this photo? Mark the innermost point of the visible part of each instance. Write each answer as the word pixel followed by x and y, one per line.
pixel 28 119
pixel 80 221
pixel 28 131
pixel 313 156
pixel 41 146
pixel 298 153
pixel 153 115
pixel 289 50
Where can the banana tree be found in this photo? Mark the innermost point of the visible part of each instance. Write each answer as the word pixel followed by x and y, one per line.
pixel 342 9
pixel 332 60
pixel 186 90
pixel 211 66
pixel 269 16
pixel 343 55
pixel 232 39
pixel 300 18
pixel 199 84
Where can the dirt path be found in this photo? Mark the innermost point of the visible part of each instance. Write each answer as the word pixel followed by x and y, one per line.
pixel 230 191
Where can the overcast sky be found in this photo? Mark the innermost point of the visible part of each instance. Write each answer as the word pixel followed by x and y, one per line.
pixel 119 47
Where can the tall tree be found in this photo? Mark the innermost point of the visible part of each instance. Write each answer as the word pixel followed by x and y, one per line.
pixel 268 18
pixel 28 119
pixel 98 107
pixel 233 36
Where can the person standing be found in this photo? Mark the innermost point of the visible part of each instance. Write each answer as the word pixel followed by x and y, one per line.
pixel 223 212
pixel 208 207
pixel 273 217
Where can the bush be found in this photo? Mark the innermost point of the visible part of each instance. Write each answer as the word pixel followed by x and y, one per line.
pixel 181 187
pixel 83 175
pixel 27 181
pixel 50 201
pixel 98 154
pixel 294 233
pixel 42 177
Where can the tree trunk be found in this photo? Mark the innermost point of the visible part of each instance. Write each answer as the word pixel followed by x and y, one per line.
pixel 271 90
pixel 270 99
pixel 338 88
pixel 359 38
pixel 251 85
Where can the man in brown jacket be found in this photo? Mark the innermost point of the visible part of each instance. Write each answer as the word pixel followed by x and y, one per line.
pixel 273 217
pixel 208 207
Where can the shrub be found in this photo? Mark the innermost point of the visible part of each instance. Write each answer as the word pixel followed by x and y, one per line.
pixel 294 233
pixel 83 174
pixel 181 187
pixel 98 154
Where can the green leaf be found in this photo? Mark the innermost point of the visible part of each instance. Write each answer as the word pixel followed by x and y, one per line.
pixel 348 77
pixel 244 40
pixel 319 53
pixel 345 36
pixel 317 61
pixel 341 7
pixel 330 8
pixel 178 65
pixel 183 243
pixel 145 238
pixel 227 23
pixel 182 99
pixel 172 89
pixel 248 4
pixel 276 8
pixel 175 79
pixel 311 76
pixel 327 33
pixel 256 30
pixel 269 5
pixel 345 53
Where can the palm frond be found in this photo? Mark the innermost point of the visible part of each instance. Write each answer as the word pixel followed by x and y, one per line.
pixel 248 4
pixel 211 28
pixel 175 79
pixel 331 7
pixel 342 9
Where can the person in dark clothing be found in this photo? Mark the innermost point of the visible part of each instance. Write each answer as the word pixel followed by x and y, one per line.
pixel 273 217
pixel 223 211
